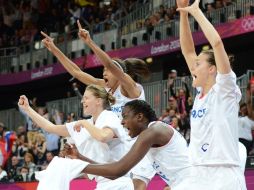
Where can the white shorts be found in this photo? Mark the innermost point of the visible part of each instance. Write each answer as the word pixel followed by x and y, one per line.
pixel 122 183
pixel 143 171
pixel 214 178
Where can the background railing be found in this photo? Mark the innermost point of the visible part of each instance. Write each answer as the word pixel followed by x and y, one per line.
pixel 127 32
pixel 157 95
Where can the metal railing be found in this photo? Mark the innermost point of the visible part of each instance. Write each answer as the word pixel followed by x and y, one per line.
pixel 157 95
pixel 32 56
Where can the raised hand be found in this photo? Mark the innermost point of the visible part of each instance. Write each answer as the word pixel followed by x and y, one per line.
pixel 23 103
pixel 182 3
pixel 83 33
pixel 48 42
pixel 191 9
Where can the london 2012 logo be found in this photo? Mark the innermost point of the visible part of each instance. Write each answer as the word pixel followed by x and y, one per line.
pixel 248 24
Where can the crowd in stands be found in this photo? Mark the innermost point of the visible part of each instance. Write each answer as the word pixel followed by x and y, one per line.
pixel 167 14
pixel 33 148
pixel 22 21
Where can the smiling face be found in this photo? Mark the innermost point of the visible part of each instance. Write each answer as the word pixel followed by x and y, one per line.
pixel 131 122
pixel 90 103
pixel 110 80
pixel 202 70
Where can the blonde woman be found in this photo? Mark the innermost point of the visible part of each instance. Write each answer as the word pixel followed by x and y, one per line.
pixel 99 139
pixel 39 148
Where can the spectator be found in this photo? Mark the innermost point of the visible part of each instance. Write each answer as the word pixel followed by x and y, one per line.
pixel 20 147
pixel 39 148
pixel 172 103
pixel 181 98
pixel 25 175
pixel 3 174
pixel 12 168
pixel 165 116
pixel 2 129
pixel 31 128
pixel 246 123
pixel 175 123
pixel 21 130
pixel 29 163
pixel 49 158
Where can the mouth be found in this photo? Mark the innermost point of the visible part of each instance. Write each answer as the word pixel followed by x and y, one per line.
pixel 127 130
pixel 106 80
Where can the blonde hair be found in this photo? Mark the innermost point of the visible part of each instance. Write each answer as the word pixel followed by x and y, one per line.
pixel 41 137
pixel 100 92
pixel 30 156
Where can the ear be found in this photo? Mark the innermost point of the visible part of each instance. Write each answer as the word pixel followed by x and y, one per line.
pixel 140 116
pixel 213 69
pixel 99 101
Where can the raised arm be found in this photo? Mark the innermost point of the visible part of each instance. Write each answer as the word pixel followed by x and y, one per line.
pixel 43 123
pixel 70 66
pixel 103 135
pixel 221 57
pixel 186 40
pixel 125 80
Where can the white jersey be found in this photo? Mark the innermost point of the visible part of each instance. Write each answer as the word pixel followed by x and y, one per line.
pixel 102 152
pixel 143 170
pixel 214 124
pixel 121 100
pixel 117 145
pixel 87 145
pixel 246 125
pixel 171 161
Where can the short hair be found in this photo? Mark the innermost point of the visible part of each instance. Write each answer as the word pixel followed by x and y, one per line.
pixel 141 106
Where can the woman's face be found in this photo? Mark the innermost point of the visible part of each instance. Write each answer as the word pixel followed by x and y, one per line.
pixel 130 122
pixel 27 158
pixel 174 122
pixel 90 103
pixel 201 70
pixel 110 80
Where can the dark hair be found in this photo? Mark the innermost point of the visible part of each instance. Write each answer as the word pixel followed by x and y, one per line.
pixel 243 105
pixel 141 106
pixel 100 92
pixel 24 167
pixel 211 58
pixel 134 67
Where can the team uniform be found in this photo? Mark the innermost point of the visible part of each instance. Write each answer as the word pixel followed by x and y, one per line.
pixel 213 148
pixel 246 125
pixel 171 161
pixel 121 100
pixel 103 152
pixel 143 170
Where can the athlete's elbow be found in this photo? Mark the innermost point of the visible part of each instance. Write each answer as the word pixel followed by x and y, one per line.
pixel 218 42
pixel 101 139
pixel 104 138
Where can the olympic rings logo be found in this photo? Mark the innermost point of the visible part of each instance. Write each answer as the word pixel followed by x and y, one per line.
pixel 248 24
